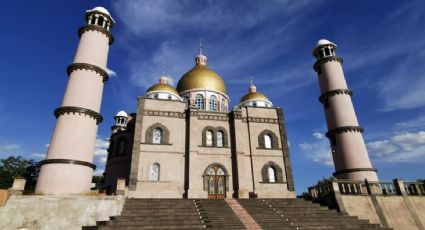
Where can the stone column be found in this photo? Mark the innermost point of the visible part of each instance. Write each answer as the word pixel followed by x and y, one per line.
pixel 68 167
pixel 348 148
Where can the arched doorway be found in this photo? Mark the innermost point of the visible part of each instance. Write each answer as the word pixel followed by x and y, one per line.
pixel 215 178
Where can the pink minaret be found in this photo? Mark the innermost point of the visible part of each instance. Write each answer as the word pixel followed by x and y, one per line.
pixel 345 135
pixel 68 167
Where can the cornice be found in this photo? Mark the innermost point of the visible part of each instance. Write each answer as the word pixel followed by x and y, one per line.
pixel 67 161
pixel 87 66
pixel 73 109
pixel 344 129
pixel 332 93
pixel 326 59
pixel 90 27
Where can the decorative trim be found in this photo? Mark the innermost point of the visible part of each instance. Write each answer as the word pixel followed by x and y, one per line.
pixel 332 93
pixel 87 66
pixel 85 28
pixel 68 161
pixel 212 117
pixel 163 113
pixel 344 129
pixel 321 61
pixel 73 109
pixel 354 170
pixel 261 120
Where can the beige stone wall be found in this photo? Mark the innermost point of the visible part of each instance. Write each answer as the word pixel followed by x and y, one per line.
pixel 170 156
pixel 58 212
pixel 394 209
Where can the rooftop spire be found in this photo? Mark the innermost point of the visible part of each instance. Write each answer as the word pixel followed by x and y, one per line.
pixel 252 88
pixel 200 46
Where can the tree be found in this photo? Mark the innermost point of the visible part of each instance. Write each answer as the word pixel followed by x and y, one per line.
pixel 13 167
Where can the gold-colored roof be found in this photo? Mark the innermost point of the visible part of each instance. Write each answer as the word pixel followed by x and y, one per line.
pixel 254 96
pixel 201 77
pixel 162 87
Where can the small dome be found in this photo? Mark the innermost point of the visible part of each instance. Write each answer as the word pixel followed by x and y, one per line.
pixel 162 86
pixel 201 77
pixel 322 42
pixel 121 114
pixel 101 10
pixel 254 96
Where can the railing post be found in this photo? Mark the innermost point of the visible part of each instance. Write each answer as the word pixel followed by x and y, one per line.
pixel 399 186
pixel 18 186
pixel 338 197
pixel 120 186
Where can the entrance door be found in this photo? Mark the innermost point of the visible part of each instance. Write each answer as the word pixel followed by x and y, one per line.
pixel 216 183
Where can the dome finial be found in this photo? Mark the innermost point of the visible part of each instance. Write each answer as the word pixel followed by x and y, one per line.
pixel 200 46
pixel 252 88
pixel 200 59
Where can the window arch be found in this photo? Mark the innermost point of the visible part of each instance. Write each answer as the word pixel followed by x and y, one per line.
pixel 220 137
pixel 268 140
pixel 272 173
pixel 223 105
pixel 213 103
pixel 154 172
pixel 199 101
pixel 209 138
pixel 157 134
pixel 155 95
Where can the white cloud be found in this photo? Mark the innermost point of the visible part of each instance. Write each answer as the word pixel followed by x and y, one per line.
pixel 39 155
pixel 408 147
pixel 8 147
pixel 413 123
pixel 381 148
pixel 111 73
pixel 318 135
pixel 101 150
pixel 318 151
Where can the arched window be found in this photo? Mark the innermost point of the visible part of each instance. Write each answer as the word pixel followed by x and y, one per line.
pixel 271 174
pixel 209 138
pixel 220 139
pixel 199 102
pixel 154 173
pixel 223 105
pixel 157 136
pixel 156 96
pixel 213 103
pixel 267 141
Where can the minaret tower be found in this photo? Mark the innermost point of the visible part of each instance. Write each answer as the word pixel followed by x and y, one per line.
pixel 68 167
pixel 345 135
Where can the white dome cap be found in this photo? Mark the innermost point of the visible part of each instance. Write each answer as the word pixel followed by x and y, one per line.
pixel 322 42
pixel 121 114
pixel 101 10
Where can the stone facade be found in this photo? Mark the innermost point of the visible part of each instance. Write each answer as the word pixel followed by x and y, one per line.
pixel 184 156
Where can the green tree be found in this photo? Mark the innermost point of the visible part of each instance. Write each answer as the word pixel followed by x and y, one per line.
pixel 13 167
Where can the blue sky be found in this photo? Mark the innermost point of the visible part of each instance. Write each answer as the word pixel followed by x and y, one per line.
pixel 382 43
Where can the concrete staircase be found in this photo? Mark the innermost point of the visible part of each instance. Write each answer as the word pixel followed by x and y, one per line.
pixel 229 214
pixel 154 214
pixel 300 214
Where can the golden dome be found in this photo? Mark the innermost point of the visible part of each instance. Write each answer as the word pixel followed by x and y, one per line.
pixel 254 96
pixel 201 77
pixel 162 86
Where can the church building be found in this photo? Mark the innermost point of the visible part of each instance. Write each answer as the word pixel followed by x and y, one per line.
pixel 186 142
